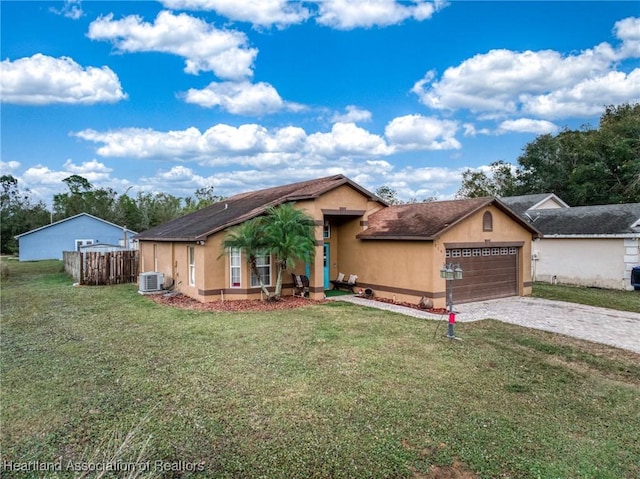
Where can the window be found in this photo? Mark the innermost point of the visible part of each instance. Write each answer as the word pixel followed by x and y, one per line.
pixel 495 251
pixel 513 250
pixel 191 254
pixel 455 253
pixel 486 251
pixel 477 252
pixel 504 251
pixel 235 257
pixel 263 261
pixel 487 221
pixel 326 229
pixel 82 242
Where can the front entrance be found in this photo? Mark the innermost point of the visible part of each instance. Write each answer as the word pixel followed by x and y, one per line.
pixel 327 262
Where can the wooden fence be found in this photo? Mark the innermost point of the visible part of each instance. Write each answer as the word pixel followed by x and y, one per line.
pixel 93 268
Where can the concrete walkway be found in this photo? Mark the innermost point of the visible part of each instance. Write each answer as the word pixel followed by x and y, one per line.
pixel 600 325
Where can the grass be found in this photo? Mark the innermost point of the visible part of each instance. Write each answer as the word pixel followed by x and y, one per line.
pixel 606 298
pixel 102 375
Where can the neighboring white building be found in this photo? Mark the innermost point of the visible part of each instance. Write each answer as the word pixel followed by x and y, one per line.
pixel 595 246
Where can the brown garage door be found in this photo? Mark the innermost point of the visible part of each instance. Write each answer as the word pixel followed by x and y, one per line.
pixel 487 273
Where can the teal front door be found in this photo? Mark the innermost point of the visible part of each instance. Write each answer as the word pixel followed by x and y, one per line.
pixel 326 266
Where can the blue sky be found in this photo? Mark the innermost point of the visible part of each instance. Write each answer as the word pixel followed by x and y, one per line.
pixel 176 95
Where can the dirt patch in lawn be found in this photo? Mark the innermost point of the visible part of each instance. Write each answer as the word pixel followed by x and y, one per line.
pixel 412 306
pixel 240 305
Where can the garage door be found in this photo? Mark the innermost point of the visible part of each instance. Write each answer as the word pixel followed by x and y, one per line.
pixel 487 273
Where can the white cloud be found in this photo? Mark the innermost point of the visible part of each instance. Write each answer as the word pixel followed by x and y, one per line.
pixel 353 114
pixel 72 9
pixel 347 140
pixel 471 130
pixel 350 14
pixel 204 47
pixel 587 97
pixel 91 170
pixel 339 14
pixel 493 81
pixel 527 125
pixel 39 175
pixel 145 143
pixel 261 13
pixel 9 167
pixel 44 80
pixel 628 30
pixel 417 132
pixel 253 144
pixel 241 98
pixel 544 83
pixel 45 182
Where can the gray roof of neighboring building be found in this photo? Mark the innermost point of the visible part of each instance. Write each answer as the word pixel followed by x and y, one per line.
pixel 521 204
pixel 244 206
pixel 598 220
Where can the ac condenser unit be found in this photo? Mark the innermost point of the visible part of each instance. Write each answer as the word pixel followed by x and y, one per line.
pixel 151 281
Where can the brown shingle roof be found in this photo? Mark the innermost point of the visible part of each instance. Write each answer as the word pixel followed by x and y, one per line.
pixel 242 207
pixel 425 221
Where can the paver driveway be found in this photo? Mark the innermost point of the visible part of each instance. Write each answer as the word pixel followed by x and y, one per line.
pixel 601 325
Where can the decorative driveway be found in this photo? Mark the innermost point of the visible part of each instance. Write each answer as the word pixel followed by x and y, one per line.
pixel 600 325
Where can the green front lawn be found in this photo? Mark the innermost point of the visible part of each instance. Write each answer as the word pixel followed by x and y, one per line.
pixel 606 298
pixel 98 374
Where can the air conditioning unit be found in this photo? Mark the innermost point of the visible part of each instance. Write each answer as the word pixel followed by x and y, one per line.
pixel 149 282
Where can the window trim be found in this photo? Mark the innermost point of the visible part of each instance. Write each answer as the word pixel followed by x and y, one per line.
pixel 191 262
pixel 235 253
pixel 266 265
pixel 487 221
pixel 155 256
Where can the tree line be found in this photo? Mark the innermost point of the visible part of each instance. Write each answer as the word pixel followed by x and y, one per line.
pixel 20 213
pixel 583 167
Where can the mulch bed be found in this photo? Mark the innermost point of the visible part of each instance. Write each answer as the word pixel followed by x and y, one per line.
pixel 178 300
pixel 241 305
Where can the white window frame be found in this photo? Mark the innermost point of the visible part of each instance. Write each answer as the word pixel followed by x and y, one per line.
pixel 326 229
pixel 235 266
pixel 191 260
pixel 264 263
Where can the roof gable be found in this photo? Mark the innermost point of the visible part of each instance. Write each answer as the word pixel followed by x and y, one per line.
pixel 426 221
pixel 70 219
pixel 200 224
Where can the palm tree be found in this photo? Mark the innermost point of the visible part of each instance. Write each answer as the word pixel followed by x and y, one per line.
pixel 249 237
pixel 289 234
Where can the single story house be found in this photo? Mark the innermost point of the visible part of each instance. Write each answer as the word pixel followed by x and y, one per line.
pixel 595 246
pixel 397 251
pixel 70 234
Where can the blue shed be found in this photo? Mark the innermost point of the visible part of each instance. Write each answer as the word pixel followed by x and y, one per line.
pixel 69 234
